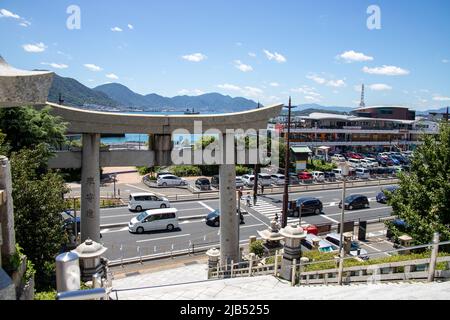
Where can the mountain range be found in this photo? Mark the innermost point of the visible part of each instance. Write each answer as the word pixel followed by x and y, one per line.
pixel 117 97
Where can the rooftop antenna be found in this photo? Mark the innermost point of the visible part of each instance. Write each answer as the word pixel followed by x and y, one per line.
pixel 362 104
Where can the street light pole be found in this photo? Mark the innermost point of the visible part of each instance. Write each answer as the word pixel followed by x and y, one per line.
pixel 344 173
pixel 256 169
pixel 286 170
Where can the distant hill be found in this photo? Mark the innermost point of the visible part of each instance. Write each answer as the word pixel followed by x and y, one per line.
pixel 206 102
pixel 76 94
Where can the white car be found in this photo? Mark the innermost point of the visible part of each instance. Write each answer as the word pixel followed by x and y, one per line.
pixel 355 163
pixel 278 179
pixel 362 173
pixel 373 162
pixel 151 220
pixel 264 179
pixel 239 182
pixel 169 180
pixel 144 201
pixel 318 176
pixel 338 158
pixel 249 180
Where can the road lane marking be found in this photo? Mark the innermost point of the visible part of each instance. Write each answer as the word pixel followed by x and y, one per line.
pixel 162 238
pixel 104 231
pixel 359 211
pixel 147 190
pixel 328 218
pixel 206 206
pixel 120 230
pixel 253 225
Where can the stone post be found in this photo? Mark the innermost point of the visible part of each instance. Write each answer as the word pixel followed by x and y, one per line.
pixel 347 242
pixel 293 235
pixel 90 187
pixel 433 258
pixel 162 145
pixel 8 248
pixel 405 242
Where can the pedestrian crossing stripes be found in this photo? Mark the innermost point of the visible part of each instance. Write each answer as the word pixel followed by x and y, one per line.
pixel 269 210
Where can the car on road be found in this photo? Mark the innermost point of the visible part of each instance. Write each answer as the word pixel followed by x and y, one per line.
pixel 355 249
pixel 305 176
pixel 382 196
pixel 355 201
pixel 170 180
pixel 249 180
pixel 144 201
pixel 203 184
pixel 318 176
pixel 239 182
pixel 213 218
pixel 278 179
pixel 264 179
pixel 152 220
pixel 307 205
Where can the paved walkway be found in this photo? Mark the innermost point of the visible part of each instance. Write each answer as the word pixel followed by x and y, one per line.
pixel 190 283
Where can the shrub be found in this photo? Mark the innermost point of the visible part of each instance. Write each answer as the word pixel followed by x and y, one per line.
pixel 30 272
pixel 241 170
pixel 257 248
pixel 45 295
pixel 144 170
pixel 186 171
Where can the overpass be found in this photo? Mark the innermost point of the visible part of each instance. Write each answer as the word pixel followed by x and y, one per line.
pixel 19 87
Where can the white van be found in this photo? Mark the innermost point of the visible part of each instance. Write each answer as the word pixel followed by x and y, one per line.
pixel 143 201
pixel 151 220
pixel 355 163
pixel 318 176
pixel 264 179
pixel 362 173
pixel 337 173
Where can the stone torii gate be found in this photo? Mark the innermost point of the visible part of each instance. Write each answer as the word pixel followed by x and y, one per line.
pixel 91 124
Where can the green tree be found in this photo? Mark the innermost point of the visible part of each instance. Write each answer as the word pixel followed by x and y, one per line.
pixel 26 127
pixel 422 200
pixel 38 203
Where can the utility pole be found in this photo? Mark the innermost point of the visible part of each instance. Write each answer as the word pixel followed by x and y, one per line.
pixel 256 169
pixel 286 169
pixel 344 172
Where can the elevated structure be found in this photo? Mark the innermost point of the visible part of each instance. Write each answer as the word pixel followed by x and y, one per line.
pixel 17 89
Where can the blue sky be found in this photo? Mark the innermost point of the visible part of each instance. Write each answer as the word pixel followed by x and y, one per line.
pixel 316 51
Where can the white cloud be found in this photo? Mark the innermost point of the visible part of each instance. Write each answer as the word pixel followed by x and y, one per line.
pixel 194 92
pixel 441 98
pixel 352 56
pixel 316 78
pixel 312 99
pixel 445 61
pixel 8 14
pixel 243 67
pixel 309 93
pixel 93 67
pixel 336 83
pixel 112 76
pixel 386 71
pixel 275 56
pixel 247 91
pixel 274 84
pixel 380 87
pixel 116 29
pixel 55 65
pixel 252 54
pixel 195 57
pixel 25 23
pixel 38 47
pixel 130 26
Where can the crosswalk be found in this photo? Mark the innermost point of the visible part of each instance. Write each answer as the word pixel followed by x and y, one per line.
pixel 270 210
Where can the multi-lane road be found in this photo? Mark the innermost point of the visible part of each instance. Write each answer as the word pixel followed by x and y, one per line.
pixel 194 231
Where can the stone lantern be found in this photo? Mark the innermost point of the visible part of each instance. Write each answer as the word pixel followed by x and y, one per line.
pixel 272 237
pixel 293 235
pixel 213 257
pixel 89 253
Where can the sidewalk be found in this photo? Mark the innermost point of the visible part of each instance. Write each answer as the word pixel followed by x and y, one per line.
pixel 190 283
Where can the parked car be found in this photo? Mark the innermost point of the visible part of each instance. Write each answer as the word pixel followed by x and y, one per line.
pixel 372 163
pixel 278 179
pixel 203 184
pixel 293 179
pixel 382 196
pixel 338 173
pixel 249 180
pixel 239 182
pixel 163 173
pixel 264 179
pixel 323 245
pixel 215 181
pixel 307 205
pixel 146 200
pixel 355 163
pixel 355 249
pixel 169 180
pixel 213 218
pixel 353 155
pixel 338 158
pixel 400 224
pixel 318 176
pixel 355 201
pixel 362 173
pixel 305 176
pixel 330 176
pixel 152 220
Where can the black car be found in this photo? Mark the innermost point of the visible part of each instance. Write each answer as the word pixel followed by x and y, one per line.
pixel 203 184
pixel 330 176
pixel 307 205
pixel 69 224
pixel 355 201
pixel 215 181
pixel 213 218
pixel 382 197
